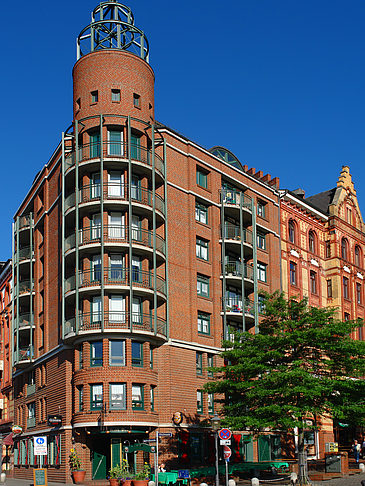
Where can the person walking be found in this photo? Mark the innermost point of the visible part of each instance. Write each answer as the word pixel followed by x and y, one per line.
pixel 356 448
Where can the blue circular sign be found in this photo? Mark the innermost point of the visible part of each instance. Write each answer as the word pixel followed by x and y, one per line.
pixel 40 440
pixel 224 434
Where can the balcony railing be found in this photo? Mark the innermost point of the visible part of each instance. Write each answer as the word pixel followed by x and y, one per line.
pixel 116 233
pixel 117 320
pixel 236 305
pixel 26 353
pixel 25 320
pixel 24 221
pixel 232 197
pixel 237 269
pixel 25 286
pixel 233 232
pixel 117 275
pixel 115 150
pixel 115 191
pixel 24 253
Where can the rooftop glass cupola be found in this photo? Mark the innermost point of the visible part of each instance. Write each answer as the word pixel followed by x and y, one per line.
pixel 112 27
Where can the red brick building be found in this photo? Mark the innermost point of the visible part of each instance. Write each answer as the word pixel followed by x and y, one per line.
pixel 322 258
pixel 135 251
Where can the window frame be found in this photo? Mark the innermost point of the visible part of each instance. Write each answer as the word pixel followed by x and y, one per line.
pixel 291 231
pixel 122 361
pixel 344 249
pixel 261 209
pixel 201 177
pixel 345 288
pixel 261 240
pixel 293 273
pixel 137 101
pixel 358 293
pixel 115 91
pixel 199 363
pixel 262 271
pixel 141 402
pixel 118 404
pixel 203 321
pixel 201 213
pixel 96 362
pixel 210 362
pixel 199 402
pixel 95 404
pixel 313 282
pixel 210 399
pixel 203 280
pixel 357 256
pixel 312 241
pixel 134 362
pixel 329 289
pixel 201 243
pixel 94 96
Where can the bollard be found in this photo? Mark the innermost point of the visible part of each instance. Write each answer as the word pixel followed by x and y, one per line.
pixel 151 483
pixel 255 482
pixel 2 477
pixel 231 482
pixel 362 467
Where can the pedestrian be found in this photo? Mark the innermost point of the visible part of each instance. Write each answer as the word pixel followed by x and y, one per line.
pixel 363 447
pixel 356 448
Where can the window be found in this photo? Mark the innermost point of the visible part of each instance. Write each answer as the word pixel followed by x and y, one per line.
pixel 199 363
pixel 293 273
pixel 151 357
pixel 345 285
pixel 117 352
pixel 291 231
pixel 136 100
pixel 202 249
pixel 358 293
pixel 203 323
pixel 261 209
pixel 137 314
pixel 199 401
pixel 210 359
pixel 96 268
pixel 201 178
pixel 346 316
pixel 137 397
pixel 311 241
pixel 152 398
pixel 96 397
pixel 115 94
pixel 313 281
pixel 357 256
pixel 348 215
pixel 210 403
pixel 116 270
pixel 329 288
pixel 136 269
pixel 117 308
pixel 344 248
pixel 261 272
pixel 261 304
pixel 117 397
pixel 203 286
pixel 115 145
pixel 95 145
pixel 96 353
pixel 261 241
pixel 201 213
pixel 328 249
pixel 94 96
pixel 135 154
pixel 137 353
pixel 80 389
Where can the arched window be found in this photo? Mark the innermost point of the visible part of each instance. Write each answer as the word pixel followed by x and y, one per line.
pixel 312 241
pixel 357 256
pixel 291 228
pixel 344 249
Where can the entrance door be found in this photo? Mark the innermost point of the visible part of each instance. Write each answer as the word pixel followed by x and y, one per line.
pixel 99 465
pixel 100 457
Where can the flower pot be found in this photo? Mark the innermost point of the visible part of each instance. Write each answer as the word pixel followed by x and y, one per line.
pixel 114 481
pixel 78 476
pixel 126 482
pixel 140 482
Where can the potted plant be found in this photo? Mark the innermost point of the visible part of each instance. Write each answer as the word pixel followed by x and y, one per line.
pixel 115 474
pixel 143 476
pixel 78 474
pixel 125 473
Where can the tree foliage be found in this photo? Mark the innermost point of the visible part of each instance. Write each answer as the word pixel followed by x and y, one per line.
pixel 303 363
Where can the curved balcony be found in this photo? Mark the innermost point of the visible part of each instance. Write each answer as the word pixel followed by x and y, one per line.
pixel 24 253
pixel 25 321
pixel 24 287
pixel 115 234
pixel 232 237
pixel 234 307
pixel 117 321
pixel 115 192
pixel 24 222
pixel 234 199
pixel 115 151
pixel 236 271
pixel 23 356
pixel 116 276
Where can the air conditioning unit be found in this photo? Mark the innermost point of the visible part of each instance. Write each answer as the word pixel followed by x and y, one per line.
pixel 1 404
pixel 1 365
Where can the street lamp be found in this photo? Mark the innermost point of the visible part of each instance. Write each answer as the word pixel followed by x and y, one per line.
pixel 216 423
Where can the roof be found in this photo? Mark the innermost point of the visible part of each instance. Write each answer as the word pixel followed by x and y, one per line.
pixel 322 200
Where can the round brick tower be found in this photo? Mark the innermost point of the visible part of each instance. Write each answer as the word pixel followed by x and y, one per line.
pixel 114 294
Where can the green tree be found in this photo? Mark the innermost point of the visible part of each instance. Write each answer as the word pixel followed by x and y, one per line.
pixel 302 364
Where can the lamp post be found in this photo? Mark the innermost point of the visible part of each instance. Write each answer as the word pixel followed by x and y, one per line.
pixel 216 422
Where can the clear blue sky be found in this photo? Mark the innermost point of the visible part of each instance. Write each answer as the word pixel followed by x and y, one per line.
pixel 280 83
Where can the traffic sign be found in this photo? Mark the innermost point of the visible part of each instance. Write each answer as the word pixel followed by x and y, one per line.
pixel 227 452
pixel 40 446
pixel 225 442
pixel 224 434
pixel 165 434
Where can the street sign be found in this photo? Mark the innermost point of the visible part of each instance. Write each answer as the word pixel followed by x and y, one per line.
pixel 165 434
pixel 147 441
pixel 225 442
pixel 227 452
pixel 224 434
pixel 40 446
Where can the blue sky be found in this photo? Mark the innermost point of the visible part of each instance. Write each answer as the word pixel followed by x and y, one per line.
pixel 280 83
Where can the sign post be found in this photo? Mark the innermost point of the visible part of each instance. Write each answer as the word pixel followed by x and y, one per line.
pixel 227 454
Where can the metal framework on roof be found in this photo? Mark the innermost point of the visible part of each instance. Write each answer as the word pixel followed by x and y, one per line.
pixel 226 155
pixel 112 27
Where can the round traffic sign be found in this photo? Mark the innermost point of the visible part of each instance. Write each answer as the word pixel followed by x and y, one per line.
pixel 227 452
pixel 40 440
pixel 224 434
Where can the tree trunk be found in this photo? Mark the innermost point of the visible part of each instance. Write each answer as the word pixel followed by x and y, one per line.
pixel 302 459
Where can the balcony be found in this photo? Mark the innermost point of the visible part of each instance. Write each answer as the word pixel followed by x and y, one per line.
pixel 117 321
pixel 115 234
pixel 115 192
pixel 24 222
pixel 25 254
pixel 25 320
pixel 115 150
pixel 234 199
pixel 234 307
pixel 24 287
pixel 234 269
pixel 119 276
pixel 25 356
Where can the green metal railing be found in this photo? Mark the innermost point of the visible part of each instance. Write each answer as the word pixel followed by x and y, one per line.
pixel 237 269
pixel 116 320
pixel 115 150
pixel 24 221
pixel 25 320
pixel 24 253
pixel 232 197
pixel 112 191
pixel 232 232
pixel 115 233
pixel 236 304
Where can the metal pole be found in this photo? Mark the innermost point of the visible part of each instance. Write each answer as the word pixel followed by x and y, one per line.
pixel 226 472
pixel 156 472
pixel 216 460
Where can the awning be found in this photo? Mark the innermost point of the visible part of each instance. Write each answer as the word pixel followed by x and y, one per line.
pixel 8 440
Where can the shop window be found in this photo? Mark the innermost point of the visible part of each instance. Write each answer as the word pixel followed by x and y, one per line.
pixel 203 323
pixel 137 353
pixel 117 397
pixel 96 353
pixel 117 352
pixel 137 397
